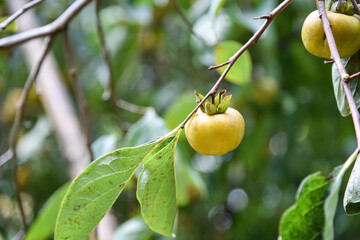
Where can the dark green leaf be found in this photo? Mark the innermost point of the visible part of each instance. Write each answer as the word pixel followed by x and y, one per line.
pixel 331 200
pixel 312 217
pixel 156 190
pixel 352 65
pixel 305 219
pixel 43 226
pixel 352 192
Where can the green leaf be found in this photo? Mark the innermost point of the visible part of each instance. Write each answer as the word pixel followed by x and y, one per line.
pixel 331 200
pixel 95 190
pixel 240 73
pixel 156 190
pixel 305 219
pixel 43 226
pixel 352 65
pixel 352 192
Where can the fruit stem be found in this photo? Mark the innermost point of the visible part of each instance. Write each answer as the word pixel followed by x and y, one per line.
pixel 342 71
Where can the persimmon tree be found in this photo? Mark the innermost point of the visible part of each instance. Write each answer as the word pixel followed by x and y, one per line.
pixel 75 209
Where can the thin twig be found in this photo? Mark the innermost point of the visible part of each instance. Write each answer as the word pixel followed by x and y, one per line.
pixel 17 14
pixel 111 82
pixel 269 18
pixel 342 71
pixel 187 22
pixel 11 153
pixel 83 108
pixel 59 24
pixel 353 76
pixel 356 6
pixel 233 59
pixel 131 107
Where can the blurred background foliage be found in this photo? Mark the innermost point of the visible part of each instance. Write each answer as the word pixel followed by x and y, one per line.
pixel 293 127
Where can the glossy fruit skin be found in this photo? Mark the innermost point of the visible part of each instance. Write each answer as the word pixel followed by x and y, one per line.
pixel 346 31
pixel 215 134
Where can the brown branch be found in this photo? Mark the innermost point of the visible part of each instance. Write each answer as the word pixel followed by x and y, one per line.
pixel 83 108
pixel 131 107
pixel 11 153
pixel 342 71
pixel 59 24
pixel 234 58
pixel 111 94
pixel 17 14
pixel 353 76
pixel 269 18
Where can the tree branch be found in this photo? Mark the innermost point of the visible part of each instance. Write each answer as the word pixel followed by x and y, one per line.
pixel 59 24
pixel 269 18
pixel 17 14
pixel 342 71
pixel 11 153
pixel 83 108
pixel 110 92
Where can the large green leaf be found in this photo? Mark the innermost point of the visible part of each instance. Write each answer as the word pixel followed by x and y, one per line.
pixel 352 192
pixel 95 190
pixel 240 73
pixel 156 190
pixel 43 226
pixel 312 216
pixel 352 65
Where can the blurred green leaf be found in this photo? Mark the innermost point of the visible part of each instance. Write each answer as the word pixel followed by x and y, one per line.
pixel 352 192
pixel 43 226
pixel 352 65
pixel 156 189
pixel 189 184
pixel 95 190
pixel 179 110
pixel 149 127
pixel 215 7
pixel 133 229
pixel 104 145
pixel 240 73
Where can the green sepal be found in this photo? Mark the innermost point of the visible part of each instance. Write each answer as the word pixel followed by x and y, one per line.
pixel 345 7
pixel 214 105
pixel 210 108
pixel 223 106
